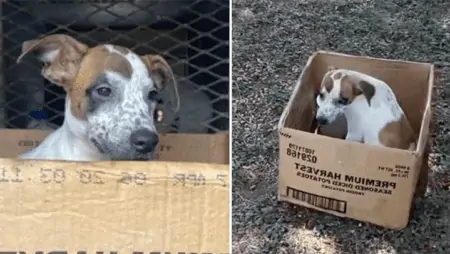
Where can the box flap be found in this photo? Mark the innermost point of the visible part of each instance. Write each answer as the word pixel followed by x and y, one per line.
pixel 207 148
pixel 425 127
pixel 122 207
pixel 299 88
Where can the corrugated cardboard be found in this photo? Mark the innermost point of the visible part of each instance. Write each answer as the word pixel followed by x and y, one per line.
pixel 350 179
pixel 117 207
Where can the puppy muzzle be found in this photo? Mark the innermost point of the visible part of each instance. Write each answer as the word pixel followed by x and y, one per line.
pixel 144 141
pixel 322 120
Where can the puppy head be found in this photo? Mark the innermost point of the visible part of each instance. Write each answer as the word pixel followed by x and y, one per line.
pixel 337 92
pixel 111 90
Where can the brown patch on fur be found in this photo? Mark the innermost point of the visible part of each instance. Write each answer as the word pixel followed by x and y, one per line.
pixel 368 90
pixel 115 62
pixel 398 134
pixel 162 75
pixel 327 82
pixel 74 66
pixel 348 89
pixel 337 75
pixel 352 87
pixel 63 68
pixel 121 49
pixel 96 61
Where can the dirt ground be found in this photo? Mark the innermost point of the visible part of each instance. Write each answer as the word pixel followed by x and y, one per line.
pixel 271 43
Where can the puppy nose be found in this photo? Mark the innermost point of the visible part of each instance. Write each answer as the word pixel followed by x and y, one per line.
pixel 322 120
pixel 144 141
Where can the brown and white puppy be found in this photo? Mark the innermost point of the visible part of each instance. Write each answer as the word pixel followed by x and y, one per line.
pixel 110 102
pixel 369 105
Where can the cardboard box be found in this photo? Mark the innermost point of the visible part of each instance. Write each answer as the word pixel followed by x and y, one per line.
pixel 350 179
pixel 117 207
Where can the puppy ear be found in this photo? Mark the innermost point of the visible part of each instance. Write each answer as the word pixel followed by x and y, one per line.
pixel 365 88
pixel 162 74
pixel 61 55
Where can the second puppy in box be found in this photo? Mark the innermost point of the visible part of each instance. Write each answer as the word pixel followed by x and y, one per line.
pixel 370 107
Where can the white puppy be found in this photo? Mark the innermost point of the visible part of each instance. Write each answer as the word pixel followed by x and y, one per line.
pixel 369 105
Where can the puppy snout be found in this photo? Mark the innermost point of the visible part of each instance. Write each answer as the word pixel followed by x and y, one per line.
pixel 144 141
pixel 322 120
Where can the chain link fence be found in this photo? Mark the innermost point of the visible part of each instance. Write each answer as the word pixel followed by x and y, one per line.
pixel 193 36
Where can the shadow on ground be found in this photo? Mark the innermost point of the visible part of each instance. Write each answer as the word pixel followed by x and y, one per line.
pixel 271 42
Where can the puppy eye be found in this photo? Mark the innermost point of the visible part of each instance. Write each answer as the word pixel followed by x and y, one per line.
pixel 152 95
pixel 343 101
pixel 104 91
pixel 321 96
